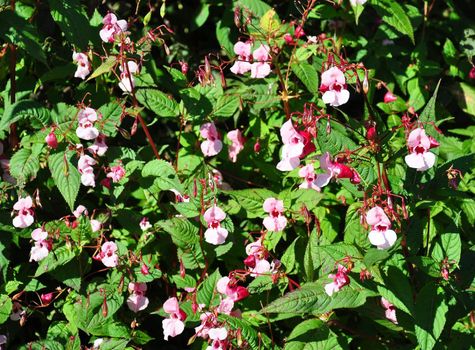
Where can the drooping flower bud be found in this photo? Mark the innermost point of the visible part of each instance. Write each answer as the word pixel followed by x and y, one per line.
pixel 51 140
pixel 257 147
pixel 365 83
pixel 471 74
pixel 46 298
pixel 371 133
pixel 389 97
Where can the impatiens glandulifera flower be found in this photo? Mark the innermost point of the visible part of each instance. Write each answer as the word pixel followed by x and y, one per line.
pixel 25 214
pixel 127 81
pixel 212 145
pixel 242 64
pixel 116 173
pixel 292 149
pixel 237 144
pixel 218 338
pixel 42 245
pixel 357 2
pixel 229 287
pixel 180 197
pixel 46 298
pixel 96 225
pixel 86 119
pixel 99 146
pixel 112 27
pixel 84 66
pixel 218 180
pixel 215 234
pixel 108 254
pixel 381 236
pixel 389 97
pixel 260 68
pixel 137 301
pixel 419 145
pixel 340 279
pixel 51 139
pixel 145 224
pixel 80 210
pixel 174 325
pixel 275 221
pixel 335 170
pixel 333 87
pixel 86 170
pixel 308 173
pixel 390 312
pixel 256 259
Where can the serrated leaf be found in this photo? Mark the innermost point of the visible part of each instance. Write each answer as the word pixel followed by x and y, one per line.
pixel 270 22
pixel 397 289
pixel 252 200
pixel 312 334
pixel 448 246
pixel 394 14
pixel 66 177
pixel 164 174
pixel 428 113
pixel 183 233
pixel 256 340
pixel 25 163
pixel 60 257
pixel 25 110
pixel 334 142
pixel 260 284
pixel 158 102
pixel 206 292
pixel 5 307
pixel 226 105
pixel 307 75
pixel 105 67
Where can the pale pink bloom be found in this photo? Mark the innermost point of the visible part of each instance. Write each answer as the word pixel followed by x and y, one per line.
pixel 42 245
pixel 132 67
pixel 95 225
pixel 85 164
pixel 293 147
pixel 97 344
pixel 260 68
pixel 215 234
pixel 381 236
pixel 340 279
pixel 230 288
pixel 334 170
pixel 254 247
pixel 237 144
pixel 99 147
pixel 333 87
pixel 86 119
pixel 112 27
pixel 357 2
pixel 127 81
pixel 137 301
pixel 222 284
pixel 84 67
pixel 419 144
pixel 213 145
pixel 180 197
pixel 116 173
pixel 39 235
pixel 218 180
pixel 108 254
pixel 218 333
pixel 171 306
pixel 242 64
pixel 226 306
pixel 24 216
pixel 275 221
pixel 390 310
pixel 389 97
pixel 172 327
pixel 262 266
pixel 308 173
pixel 145 224
pixel 80 210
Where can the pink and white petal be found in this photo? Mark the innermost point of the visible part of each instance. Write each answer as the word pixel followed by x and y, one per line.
pixel 222 284
pixel 415 161
pixel 281 222
pixel 172 327
pixel 342 97
pixel 376 238
pixel 331 288
pixel 390 237
pixel 429 160
pixel 270 224
pixel 323 179
pixel 122 23
pixel 39 235
pixel 329 97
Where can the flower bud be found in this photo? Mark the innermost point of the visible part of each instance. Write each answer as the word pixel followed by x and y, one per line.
pixel 371 133
pixel 389 97
pixel 299 32
pixel 365 83
pixel 257 147
pixel 46 298
pixel 471 74
pixel 289 40
pixel 51 140
pixel 184 67
pixel 250 261
pixel 144 269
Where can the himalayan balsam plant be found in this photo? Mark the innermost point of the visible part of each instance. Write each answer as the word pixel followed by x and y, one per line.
pixel 239 174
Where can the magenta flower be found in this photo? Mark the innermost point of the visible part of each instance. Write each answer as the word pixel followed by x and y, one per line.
pixel 25 214
pixel 86 119
pixel 212 145
pixel 381 236
pixel 116 173
pixel 112 27
pixel 334 170
pixel 275 221
pixel 42 245
pixel 260 68
pixel 390 312
pixel 86 170
pixel 333 87
pixel 173 325
pixel 308 173
pixel 229 287
pixel 389 97
pixel 215 234
pixel 84 67
pixel 51 139
pixel 108 254
pixel 137 301
pixel 419 145
pixel 340 279
pixel 237 144
pixel 242 64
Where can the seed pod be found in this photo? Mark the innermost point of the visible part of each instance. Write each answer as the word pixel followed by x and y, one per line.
pixel 365 83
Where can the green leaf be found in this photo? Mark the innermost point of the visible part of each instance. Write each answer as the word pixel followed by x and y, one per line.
pixel 428 113
pixel 59 257
pixel 312 334
pixel 270 22
pixel 206 292
pixel 29 110
pixel 164 174
pixel 183 233
pixel 256 340
pixel 394 14
pixel 288 258
pixel 397 289
pixel 252 200
pixel 111 114
pixel 202 16
pixel 158 102
pixel 105 67
pixel 260 284
pixel 226 105
pixel 430 315
pixel 465 96
pixel 65 175
pixel 354 232
pixel 258 7
pixel 448 246
pixel 307 75
pixel 334 142
pixel 5 307
pixel 25 163
pixel 312 299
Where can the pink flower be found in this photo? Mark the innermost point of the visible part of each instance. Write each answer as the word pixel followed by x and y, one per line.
pixel 108 254
pixel 308 173
pixel 86 119
pixel 229 287
pixel 80 210
pixel 95 225
pixel 213 145
pixel 25 215
pixel 84 67
pixel 179 198
pixel 389 97
pixel 42 245
pixel 333 87
pixel 112 27
pixel 215 234
pixel 242 64
pixel 380 236
pixel 260 68
pixel 471 74
pixel 218 333
pixel 275 221
pixel 51 140
pixel 390 311
pixel 237 144
pixel 226 306
pixel 117 173
pixel 357 2
pixel 419 144
pixel 334 170
pixel 99 147
pixel 174 325
pixel 86 170
pixel 340 279
pixel 145 224
pixel 127 81
pixel 137 301
pixel 293 147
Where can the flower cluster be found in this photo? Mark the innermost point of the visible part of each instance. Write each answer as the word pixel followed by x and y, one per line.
pixel 86 119
pixel 260 68
pixel 86 170
pixel 237 144
pixel 340 279
pixel 257 259
pixel 335 170
pixel 419 144
pixel 333 87
pixel 112 28
pixel 24 212
pixel 108 254
pixel 84 66
pixel 297 144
